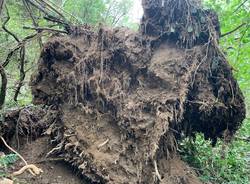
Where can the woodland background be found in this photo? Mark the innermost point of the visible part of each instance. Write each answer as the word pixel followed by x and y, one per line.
pixel 222 164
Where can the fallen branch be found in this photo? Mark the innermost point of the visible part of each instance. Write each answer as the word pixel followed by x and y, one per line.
pixel 56 20
pixel 45 29
pixel 27 6
pixel 46 8
pixel 230 32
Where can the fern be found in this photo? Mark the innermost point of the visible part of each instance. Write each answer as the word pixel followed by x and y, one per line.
pixel 7 160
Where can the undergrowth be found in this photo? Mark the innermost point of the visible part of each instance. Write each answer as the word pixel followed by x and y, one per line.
pixel 222 164
pixel 5 162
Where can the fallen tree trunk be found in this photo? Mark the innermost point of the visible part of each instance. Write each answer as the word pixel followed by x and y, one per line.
pixel 123 98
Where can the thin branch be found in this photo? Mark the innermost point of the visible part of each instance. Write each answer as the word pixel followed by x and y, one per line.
pixel 45 29
pixel 55 20
pixel 52 8
pixel 117 19
pixel 10 54
pixel 39 7
pixel 42 8
pixel 22 72
pixel 240 42
pixel 3 87
pixel 17 47
pixel 4 26
pixel 60 8
pixel 230 32
pixel 27 6
pixel 1 6
pixel 240 6
pixel 246 139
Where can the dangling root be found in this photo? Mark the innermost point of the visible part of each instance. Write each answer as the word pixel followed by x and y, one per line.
pixel 31 168
pixel 157 171
pixel 103 144
pixel 57 148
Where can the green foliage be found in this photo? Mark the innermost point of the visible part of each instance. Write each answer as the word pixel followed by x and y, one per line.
pixel 117 12
pixel 227 164
pixel 7 160
pixel 237 44
pixel 87 11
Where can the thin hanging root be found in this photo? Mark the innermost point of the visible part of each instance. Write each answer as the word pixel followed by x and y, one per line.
pixel 157 171
pixel 103 144
pixel 33 170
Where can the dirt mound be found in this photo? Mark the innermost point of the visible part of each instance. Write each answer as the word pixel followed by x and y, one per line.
pixel 119 100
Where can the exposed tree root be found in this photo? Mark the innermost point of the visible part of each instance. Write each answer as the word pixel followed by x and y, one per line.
pixel 34 170
pixel 31 167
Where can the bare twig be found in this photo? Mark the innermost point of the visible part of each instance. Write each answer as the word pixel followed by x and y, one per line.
pixel 71 15
pixel 240 42
pixel 45 29
pixel 235 29
pixel 240 6
pixel 3 87
pixel 22 72
pixel 16 48
pixel 52 8
pixel 1 6
pixel 27 6
pixel 4 26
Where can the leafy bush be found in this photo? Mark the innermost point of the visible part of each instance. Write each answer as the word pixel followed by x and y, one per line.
pixel 222 164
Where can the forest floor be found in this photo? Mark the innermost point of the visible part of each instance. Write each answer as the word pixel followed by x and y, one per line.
pixel 56 171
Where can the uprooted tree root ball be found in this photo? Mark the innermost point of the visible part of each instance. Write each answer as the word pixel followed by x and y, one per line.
pixel 119 100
